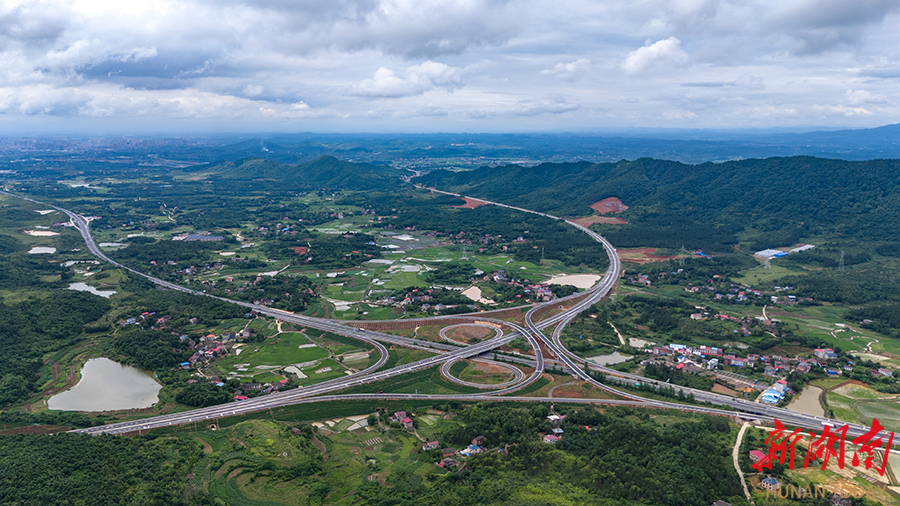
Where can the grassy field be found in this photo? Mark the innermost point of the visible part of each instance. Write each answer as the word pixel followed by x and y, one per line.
pixel 476 372
pixel 283 349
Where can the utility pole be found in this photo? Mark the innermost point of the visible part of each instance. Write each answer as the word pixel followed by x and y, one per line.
pixel 681 260
pixel 465 255
pixel 841 265
pixel 542 255
pixel 768 263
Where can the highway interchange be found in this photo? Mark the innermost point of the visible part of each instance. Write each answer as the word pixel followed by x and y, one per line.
pixel 447 353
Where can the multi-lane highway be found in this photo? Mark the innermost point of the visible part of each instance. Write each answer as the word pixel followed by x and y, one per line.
pixel 447 354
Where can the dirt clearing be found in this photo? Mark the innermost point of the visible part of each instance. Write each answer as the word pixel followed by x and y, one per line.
pixel 642 255
pixel 611 205
pixel 469 332
pixel 471 203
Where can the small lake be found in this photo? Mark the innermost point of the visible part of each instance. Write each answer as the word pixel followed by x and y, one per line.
pixel 84 287
pixel 613 358
pixel 108 386
pixel 807 402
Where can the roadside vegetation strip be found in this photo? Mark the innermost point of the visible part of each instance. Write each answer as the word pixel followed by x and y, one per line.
pixel 452 369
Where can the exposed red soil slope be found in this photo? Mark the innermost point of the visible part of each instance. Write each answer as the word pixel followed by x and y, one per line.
pixel 471 203
pixel 611 205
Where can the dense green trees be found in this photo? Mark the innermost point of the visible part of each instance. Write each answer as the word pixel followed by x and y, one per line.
pixel 83 469
pixel 151 349
pixel 622 458
pixel 32 328
pixel 202 394
pixel 772 202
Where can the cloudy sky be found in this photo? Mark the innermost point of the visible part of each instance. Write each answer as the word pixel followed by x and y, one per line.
pixel 445 65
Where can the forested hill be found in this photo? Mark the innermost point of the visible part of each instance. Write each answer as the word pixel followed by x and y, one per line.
pixel 322 173
pixel 773 195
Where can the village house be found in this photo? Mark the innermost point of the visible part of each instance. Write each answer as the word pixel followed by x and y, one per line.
pixel 770 483
pixel 448 462
pixel 430 445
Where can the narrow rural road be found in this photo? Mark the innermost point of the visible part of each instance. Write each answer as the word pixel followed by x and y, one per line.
pixel 621 339
pixel 735 453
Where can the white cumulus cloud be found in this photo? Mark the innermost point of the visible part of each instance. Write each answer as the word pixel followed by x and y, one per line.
pixel 416 80
pixel 665 51
pixel 568 71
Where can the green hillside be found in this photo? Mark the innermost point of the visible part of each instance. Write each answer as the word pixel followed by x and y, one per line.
pixel 771 201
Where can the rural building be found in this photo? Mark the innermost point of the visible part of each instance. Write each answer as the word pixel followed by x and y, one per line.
pixel 430 445
pixel 772 396
pixel 551 439
pixel 448 462
pixel 768 253
pixel 770 483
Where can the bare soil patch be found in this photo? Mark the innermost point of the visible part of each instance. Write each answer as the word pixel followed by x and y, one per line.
pixel 468 332
pixel 491 368
pixel 642 255
pixel 590 220
pixel 611 205
pixel 319 444
pixel 471 203
pixel 722 389
pixel 207 449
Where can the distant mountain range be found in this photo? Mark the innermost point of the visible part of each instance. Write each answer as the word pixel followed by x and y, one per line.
pixel 323 173
pixel 463 150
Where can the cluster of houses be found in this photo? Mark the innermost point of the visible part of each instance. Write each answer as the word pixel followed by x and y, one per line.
pixel 556 432
pixel 717 289
pixel 776 393
pixel 211 346
pixel 405 421
pixel 710 357
pixel 206 348
pixel 450 456
pixel 198 237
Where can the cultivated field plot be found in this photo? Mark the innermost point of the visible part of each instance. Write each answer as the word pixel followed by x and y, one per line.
pixel 860 404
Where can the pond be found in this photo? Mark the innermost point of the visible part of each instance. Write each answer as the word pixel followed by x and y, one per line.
pixel 807 402
pixel 84 287
pixel 108 386
pixel 613 358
